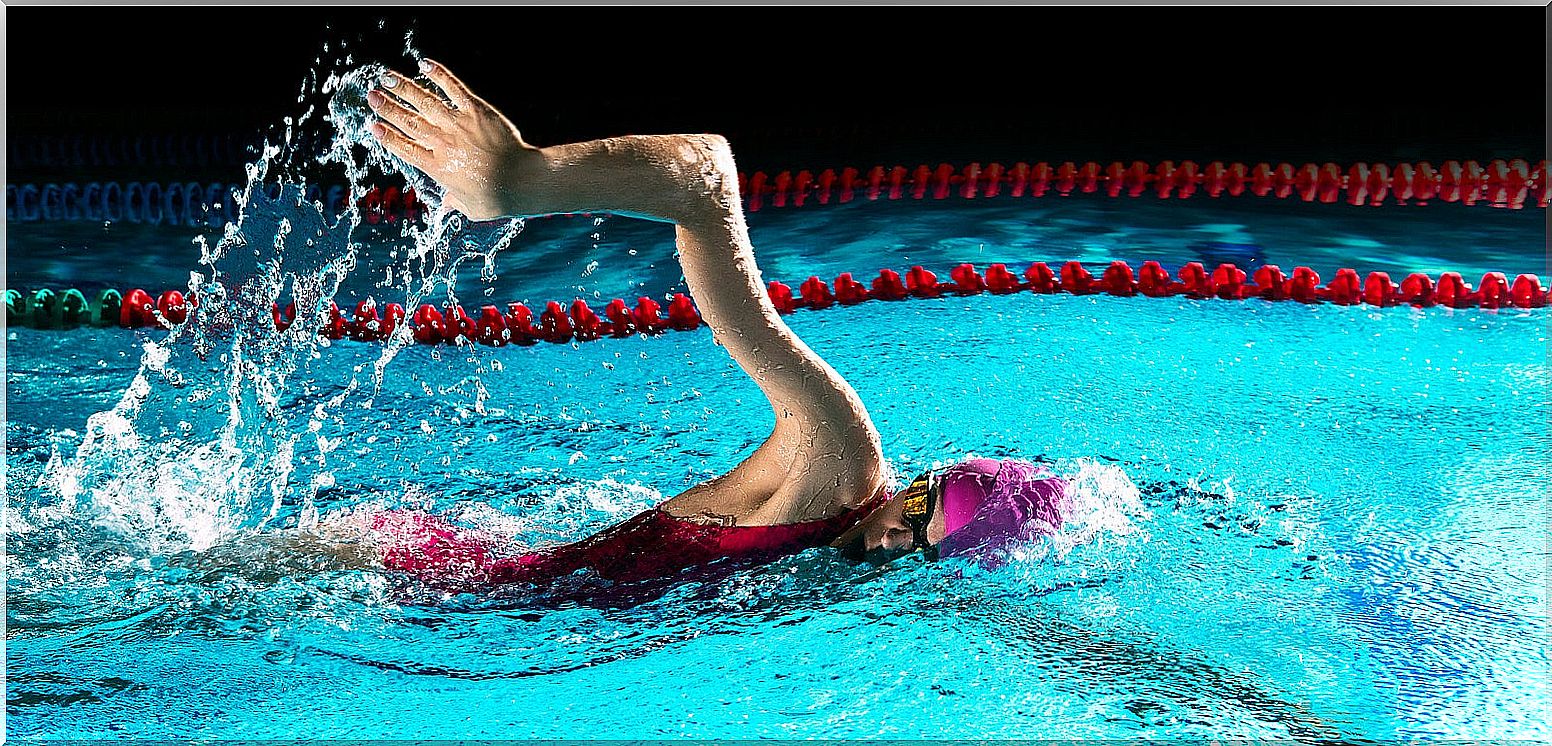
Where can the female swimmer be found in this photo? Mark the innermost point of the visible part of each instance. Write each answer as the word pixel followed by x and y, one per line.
pixel 820 477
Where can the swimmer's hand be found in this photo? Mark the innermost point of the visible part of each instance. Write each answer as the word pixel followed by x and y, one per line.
pixel 461 142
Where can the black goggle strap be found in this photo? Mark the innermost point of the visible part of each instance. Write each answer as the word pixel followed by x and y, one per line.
pixel 918 508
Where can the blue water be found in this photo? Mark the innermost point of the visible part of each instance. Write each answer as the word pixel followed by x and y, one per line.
pixel 863 237
pixel 1292 521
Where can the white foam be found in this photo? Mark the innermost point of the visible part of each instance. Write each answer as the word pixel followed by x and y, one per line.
pixel 1102 505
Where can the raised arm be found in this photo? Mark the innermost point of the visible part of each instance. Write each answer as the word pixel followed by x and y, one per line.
pixel 823 454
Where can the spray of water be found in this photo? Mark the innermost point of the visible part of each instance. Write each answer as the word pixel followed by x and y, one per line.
pixel 221 429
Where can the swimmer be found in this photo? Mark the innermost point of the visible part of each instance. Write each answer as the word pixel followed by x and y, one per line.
pixel 819 479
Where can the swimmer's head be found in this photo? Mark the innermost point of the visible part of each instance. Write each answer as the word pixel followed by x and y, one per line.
pixel 910 520
pixel 974 509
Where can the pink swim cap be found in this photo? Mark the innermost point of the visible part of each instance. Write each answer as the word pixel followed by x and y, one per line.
pixel 989 504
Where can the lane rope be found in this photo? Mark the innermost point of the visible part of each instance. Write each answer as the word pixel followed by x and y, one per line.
pixel 1512 184
pixel 557 322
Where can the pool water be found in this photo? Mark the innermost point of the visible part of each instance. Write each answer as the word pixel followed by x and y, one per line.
pixel 1292 521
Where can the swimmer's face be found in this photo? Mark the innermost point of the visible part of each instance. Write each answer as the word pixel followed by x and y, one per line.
pixel 885 536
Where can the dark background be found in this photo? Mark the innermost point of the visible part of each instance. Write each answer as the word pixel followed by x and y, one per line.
pixel 810 87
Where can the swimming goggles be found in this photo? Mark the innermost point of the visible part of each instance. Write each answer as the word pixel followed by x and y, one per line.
pixel 920 500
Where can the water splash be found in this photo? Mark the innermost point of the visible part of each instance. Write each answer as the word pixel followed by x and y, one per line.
pixel 229 425
pixel 1103 509
pixel 1104 505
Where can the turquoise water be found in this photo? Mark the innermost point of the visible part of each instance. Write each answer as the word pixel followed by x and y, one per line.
pixel 1302 521
pixel 1291 521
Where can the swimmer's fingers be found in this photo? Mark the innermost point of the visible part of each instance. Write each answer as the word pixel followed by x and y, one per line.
pixel 456 91
pixel 401 145
pixel 432 107
pixel 408 120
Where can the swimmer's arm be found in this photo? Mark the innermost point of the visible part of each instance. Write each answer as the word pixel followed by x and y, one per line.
pixel 824 450
pixel 487 171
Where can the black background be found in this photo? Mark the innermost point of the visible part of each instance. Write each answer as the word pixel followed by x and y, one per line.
pixel 812 87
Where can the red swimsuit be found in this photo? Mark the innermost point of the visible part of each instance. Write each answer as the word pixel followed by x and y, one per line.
pixel 651 546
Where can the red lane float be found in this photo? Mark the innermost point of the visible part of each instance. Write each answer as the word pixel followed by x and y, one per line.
pixel 887 286
pixel 1512 184
pixel 1509 183
pixel 558 323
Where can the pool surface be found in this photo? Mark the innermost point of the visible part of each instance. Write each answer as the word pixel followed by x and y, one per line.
pixel 1293 521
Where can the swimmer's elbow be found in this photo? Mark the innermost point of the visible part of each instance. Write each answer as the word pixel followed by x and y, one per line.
pixel 718 158
pixel 719 151
pixel 707 176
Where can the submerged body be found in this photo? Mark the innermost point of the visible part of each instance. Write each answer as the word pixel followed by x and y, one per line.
pixel 988 505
